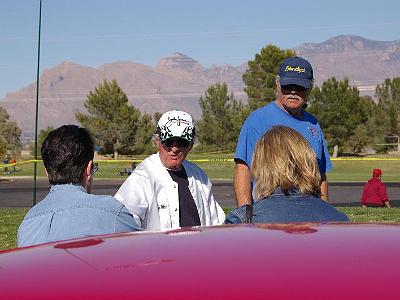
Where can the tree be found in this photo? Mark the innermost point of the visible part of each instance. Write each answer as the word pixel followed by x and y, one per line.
pixel 261 73
pixel 388 95
pixel 222 118
pixel 42 136
pixel 114 123
pixel 143 139
pixel 10 134
pixel 369 133
pixel 156 117
pixel 340 111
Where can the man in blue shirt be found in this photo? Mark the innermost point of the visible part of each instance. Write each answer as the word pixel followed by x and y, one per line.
pixel 69 210
pixel 294 84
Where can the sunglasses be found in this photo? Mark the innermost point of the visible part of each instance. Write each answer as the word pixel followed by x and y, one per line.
pixel 95 167
pixel 178 142
pixel 293 87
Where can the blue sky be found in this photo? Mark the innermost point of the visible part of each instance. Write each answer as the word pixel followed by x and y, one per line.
pixel 94 32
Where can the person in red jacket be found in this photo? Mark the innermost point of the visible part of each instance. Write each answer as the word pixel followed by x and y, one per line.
pixel 374 193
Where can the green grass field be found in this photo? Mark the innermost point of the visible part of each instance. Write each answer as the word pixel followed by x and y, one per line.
pixel 10 218
pixel 220 168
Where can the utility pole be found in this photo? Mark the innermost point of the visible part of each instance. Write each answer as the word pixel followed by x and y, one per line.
pixel 37 105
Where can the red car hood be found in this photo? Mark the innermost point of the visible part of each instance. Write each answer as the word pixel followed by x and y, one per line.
pixel 298 261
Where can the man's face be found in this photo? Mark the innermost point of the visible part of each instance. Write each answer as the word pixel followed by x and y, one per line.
pixel 173 152
pixel 292 98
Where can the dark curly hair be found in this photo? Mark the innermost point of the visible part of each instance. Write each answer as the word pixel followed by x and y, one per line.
pixel 66 151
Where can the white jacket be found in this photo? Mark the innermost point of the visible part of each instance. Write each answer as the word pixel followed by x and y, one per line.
pixel 151 195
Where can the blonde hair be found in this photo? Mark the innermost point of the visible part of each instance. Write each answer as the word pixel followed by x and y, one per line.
pixel 283 158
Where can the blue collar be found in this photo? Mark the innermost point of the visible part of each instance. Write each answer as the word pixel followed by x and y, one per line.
pixel 292 192
pixel 67 187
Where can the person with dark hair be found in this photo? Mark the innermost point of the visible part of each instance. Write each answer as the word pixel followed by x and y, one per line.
pixel 374 192
pixel 293 85
pixel 69 210
pixel 5 163
pixel 287 183
pixel 166 191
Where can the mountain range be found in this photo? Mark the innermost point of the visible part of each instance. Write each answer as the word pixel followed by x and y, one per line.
pixel 177 81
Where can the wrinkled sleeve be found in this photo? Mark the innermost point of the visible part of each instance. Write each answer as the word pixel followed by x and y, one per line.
pixel 236 216
pixel 216 211
pixel 325 160
pixel 126 222
pixel 210 211
pixel 33 231
pixel 243 144
pixel 136 193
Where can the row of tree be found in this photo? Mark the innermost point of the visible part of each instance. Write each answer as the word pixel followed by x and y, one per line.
pixel 9 135
pixel 350 121
pixel 117 126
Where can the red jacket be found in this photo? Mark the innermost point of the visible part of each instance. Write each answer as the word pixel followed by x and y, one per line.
pixel 374 192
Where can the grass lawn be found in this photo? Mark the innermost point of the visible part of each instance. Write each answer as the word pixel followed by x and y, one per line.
pixel 220 168
pixel 361 170
pixel 364 215
pixel 370 214
pixel 10 218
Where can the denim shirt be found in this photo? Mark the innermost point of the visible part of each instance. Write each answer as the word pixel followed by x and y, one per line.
pixel 68 211
pixel 281 208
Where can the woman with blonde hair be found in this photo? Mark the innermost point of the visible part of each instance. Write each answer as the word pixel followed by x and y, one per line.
pixel 287 182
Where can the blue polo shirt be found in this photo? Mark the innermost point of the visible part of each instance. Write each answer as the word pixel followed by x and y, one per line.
pixel 262 119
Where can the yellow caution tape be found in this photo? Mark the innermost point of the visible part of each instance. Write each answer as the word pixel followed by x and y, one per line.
pixel 365 158
pixel 211 160
pixel 20 163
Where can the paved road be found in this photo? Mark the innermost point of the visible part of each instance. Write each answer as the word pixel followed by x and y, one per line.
pixel 18 192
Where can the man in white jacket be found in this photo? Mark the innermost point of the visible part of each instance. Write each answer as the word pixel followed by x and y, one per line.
pixel 166 191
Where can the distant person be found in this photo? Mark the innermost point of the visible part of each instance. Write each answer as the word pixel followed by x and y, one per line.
pixel 69 210
pixel 5 163
pixel 293 84
pixel 374 192
pixel 165 191
pixel 14 162
pixel 287 183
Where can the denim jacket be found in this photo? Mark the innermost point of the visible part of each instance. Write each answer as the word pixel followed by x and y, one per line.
pixel 68 211
pixel 281 208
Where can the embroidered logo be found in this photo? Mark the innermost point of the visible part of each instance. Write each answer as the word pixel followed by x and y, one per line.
pixel 314 131
pixel 167 130
pixel 295 69
pixel 162 206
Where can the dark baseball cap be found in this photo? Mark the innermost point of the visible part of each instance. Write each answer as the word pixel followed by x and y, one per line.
pixel 296 70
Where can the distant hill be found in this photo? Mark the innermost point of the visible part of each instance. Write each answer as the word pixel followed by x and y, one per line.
pixel 364 62
pixel 178 81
